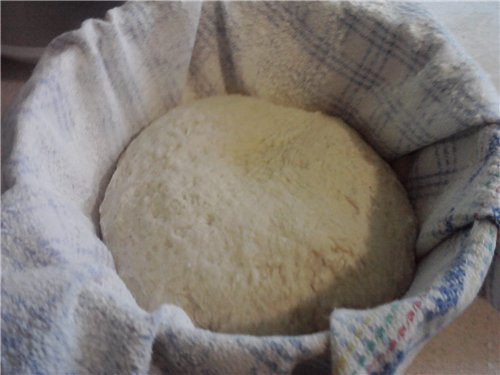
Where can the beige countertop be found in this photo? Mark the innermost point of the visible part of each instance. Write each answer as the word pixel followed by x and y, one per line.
pixel 471 344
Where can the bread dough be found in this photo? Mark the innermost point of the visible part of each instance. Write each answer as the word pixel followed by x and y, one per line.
pixel 257 218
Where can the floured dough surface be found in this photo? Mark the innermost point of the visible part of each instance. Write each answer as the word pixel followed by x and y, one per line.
pixel 257 218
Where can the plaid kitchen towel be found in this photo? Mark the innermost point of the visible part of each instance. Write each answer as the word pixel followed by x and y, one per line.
pixel 387 69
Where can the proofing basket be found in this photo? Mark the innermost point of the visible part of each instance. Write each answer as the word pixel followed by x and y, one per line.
pixel 388 69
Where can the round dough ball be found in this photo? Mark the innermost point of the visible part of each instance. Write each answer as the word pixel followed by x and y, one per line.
pixel 257 218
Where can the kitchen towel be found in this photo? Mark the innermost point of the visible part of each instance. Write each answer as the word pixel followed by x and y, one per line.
pixel 388 69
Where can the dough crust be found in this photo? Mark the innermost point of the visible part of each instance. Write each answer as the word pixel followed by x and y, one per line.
pixel 257 218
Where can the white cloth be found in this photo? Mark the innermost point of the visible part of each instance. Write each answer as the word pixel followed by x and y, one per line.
pixel 387 68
